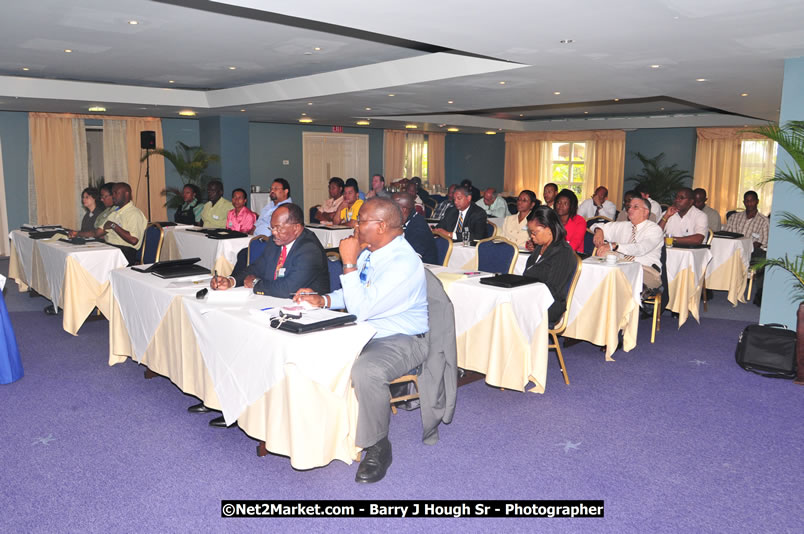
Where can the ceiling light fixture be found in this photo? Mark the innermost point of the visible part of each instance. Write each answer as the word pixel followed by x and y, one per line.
pixel 491 132
pixel 743 94
pixel 411 126
pixel 232 68
pixel 453 129
pixel 391 94
pixel 171 81
pixel 96 108
pixel 556 92
pixel 187 113
pixel 656 66
pixel 502 83
pixel 25 68
pixel 368 109
pixel 363 123
pixel 68 51
pixel 566 41
pixel 133 22
pixel 317 49
pixel 242 110
pixel 700 79
pixel 450 102
pixel 305 120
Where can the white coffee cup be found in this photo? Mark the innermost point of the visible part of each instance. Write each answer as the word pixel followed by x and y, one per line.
pixel 611 259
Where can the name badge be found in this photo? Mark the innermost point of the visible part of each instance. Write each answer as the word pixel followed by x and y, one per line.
pixel 281 273
pixel 755 235
pixel 216 217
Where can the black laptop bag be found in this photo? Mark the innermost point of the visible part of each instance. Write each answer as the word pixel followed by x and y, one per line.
pixel 768 350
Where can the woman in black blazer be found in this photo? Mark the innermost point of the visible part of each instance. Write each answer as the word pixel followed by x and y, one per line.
pixel 552 261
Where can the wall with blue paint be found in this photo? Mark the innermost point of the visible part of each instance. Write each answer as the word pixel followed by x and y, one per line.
pixel 14 138
pixel 477 157
pixel 777 304
pixel 173 131
pixel 678 145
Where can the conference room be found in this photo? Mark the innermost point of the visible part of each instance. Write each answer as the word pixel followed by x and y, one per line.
pixel 616 403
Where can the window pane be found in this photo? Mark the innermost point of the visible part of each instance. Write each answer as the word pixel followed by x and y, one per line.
pixel 424 176
pixel 578 172
pixel 577 189
pixel 561 151
pixel 560 173
pixel 578 151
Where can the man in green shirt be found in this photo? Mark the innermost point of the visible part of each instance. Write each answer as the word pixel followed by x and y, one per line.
pixel 125 226
pixel 214 213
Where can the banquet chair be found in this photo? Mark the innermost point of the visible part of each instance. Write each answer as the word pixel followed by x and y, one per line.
pixel 491 230
pixel 430 206
pixel 497 255
pixel 558 328
pixel 256 246
pixel 443 249
pixel 708 241
pixel 659 299
pixel 335 268
pixel 152 243
pixel 597 219
pixel 589 242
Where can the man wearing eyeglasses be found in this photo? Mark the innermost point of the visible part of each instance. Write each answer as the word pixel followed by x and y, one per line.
pixel 384 285
pixel 293 258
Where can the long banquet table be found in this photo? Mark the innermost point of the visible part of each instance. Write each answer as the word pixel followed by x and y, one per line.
pixel 215 254
pixel 291 391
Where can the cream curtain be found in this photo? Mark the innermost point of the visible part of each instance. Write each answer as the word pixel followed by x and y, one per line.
pixel 394 155
pixel 81 166
pixel 757 164
pixel 605 156
pixel 527 163
pixel 137 168
pixel 53 165
pixel 414 151
pixel 4 244
pixel 436 173
pixel 115 162
pixel 717 166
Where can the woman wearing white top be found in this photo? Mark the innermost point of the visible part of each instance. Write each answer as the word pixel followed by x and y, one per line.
pixel 515 227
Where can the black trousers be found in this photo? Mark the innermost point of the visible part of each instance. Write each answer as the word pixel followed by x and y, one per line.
pixel 132 255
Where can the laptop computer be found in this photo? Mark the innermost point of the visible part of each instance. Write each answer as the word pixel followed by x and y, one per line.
pixel 507 280
pixel 174 268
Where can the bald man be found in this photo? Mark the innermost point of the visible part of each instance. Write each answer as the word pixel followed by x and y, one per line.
pixel 126 225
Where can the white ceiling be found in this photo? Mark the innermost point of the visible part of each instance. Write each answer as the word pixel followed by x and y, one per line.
pixel 424 53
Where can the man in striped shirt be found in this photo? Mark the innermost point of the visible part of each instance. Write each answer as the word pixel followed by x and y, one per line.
pixel 752 224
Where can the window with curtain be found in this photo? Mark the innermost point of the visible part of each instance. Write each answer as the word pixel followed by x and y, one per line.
pixel 757 164
pixel 95 155
pixel 569 166
pixel 416 161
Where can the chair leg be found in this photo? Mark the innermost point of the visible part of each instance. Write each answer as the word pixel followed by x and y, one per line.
pixel 750 285
pixel 656 306
pixel 560 358
pixel 393 409
pixel 703 292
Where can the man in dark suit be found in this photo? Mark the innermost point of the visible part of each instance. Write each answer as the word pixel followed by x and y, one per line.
pixel 417 232
pixel 293 258
pixel 465 214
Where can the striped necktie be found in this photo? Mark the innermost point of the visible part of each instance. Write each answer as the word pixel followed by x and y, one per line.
pixel 281 262
pixel 459 228
pixel 632 240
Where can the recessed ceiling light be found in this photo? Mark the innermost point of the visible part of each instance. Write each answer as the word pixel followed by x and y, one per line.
pixel 453 129
pixel 306 120
pixel 700 79
pixel 566 41
pixel 391 94
pixel 502 83
pixel 368 109
pixel 616 99
pixel 586 113
pixel 363 123
pixel 133 22
pixel 743 94
pixel 521 114
pixel 450 102
pixel 171 81
pixel 232 68
pixel 317 48
pixel 187 113
pixel 96 108
pixel 68 51
pixel 656 66
pixel 491 132
pixel 242 110
pixel 556 92
pixel 661 109
pixel 411 126
pixel 309 103
pixel 25 68
pixel 304 114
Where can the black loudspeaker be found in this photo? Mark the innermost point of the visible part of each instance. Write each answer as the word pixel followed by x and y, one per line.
pixel 148 139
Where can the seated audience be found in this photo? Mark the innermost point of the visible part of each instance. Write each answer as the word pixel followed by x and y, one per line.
pixel 623 215
pixel 126 225
pixel 682 221
pixel 421 192
pixel 515 227
pixel 385 286
pixel 240 218
pixel 352 181
pixel 445 204
pixel 712 217
pixel 552 261
pixel 279 194
pixel 293 258
pixel 90 199
pixel 655 207
pixel 411 189
pixel 217 208
pixel 474 191
pixel 378 187
pixel 752 224
pixel 328 210
pixel 350 207
pixel 107 199
pixel 464 214
pixel 493 204
pixel 416 230
pixel 549 193
pixel 190 210
pixel 566 205
pixel 637 239
pixel 598 205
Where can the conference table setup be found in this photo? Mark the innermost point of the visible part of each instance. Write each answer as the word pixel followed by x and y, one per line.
pixel 190 242
pixel 291 392
pixel 330 236
pixel 729 269
pixel 72 276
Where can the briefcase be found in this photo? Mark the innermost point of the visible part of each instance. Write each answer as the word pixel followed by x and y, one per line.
pixel 768 350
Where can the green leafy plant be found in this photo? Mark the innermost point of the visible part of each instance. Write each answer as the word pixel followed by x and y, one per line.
pixel 791 138
pixel 191 162
pixel 663 181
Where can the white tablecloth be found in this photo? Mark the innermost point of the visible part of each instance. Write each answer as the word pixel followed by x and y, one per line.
pixel 257 201
pixel 23 255
pixel 181 243
pixel 331 237
pixel 685 272
pixel 729 267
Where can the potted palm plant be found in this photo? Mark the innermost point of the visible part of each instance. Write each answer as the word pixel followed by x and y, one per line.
pixel 661 180
pixel 791 138
pixel 191 163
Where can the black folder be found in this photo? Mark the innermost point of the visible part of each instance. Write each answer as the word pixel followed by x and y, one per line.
pixel 299 328
pixel 174 268
pixel 507 280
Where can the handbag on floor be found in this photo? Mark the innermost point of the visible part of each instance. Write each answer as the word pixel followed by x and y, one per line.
pixel 768 350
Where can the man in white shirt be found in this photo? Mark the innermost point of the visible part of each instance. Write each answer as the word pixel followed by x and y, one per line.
pixel 492 204
pixel 638 239
pixel 712 217
pixel 655 207
pixel 682 221
pixel 549 193
pixel 598 205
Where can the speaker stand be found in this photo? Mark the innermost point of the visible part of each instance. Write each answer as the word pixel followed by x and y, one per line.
pixel 148 180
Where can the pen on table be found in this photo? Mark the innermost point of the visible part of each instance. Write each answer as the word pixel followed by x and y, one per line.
pixel 268 308
pixel 303 293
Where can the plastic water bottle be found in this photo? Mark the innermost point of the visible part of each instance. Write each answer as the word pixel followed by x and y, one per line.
pixel 467 237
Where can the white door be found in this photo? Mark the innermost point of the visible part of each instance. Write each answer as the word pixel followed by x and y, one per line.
pixel 328 154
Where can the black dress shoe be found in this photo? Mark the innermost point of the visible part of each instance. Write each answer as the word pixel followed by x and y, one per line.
pixel 218 422
pixel 198 408
pixel 376 462
pixel 50 310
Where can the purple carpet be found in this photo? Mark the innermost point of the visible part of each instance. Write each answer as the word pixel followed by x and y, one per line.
pixel 674 436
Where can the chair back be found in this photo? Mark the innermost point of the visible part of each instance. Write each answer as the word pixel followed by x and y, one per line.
pixel 430 206
pixel 571 285
pixel 589 242
pixel 152 243
pixel 443 249
pixel 511 203
pixel 597 219
pixel 335 267
pixel 256 246
pixel 491 230
pixel 710 237
pixel 497 255
pixel 729 214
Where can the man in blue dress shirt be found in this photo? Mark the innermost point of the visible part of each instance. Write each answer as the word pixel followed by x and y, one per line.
pixel 384 285
pixel 280 194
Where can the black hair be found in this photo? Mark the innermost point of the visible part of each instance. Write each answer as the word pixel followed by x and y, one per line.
pixel 546 216
pixel 531 196
pixel 569 194
pixel 336 180
pixel 351 182
pixel 551 184
pixel 108 187
pixel 94 193
pixel 245 195
pixel 284 183
pixel 295 213
pixel 753 193
pixel 194 188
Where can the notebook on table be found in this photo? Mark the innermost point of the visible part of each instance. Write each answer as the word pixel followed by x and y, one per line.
pixel 507 280
pixel 313 321
pixel 223 233
pixel 174 268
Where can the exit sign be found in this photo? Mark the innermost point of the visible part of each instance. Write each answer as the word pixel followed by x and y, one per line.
pixel 337 129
